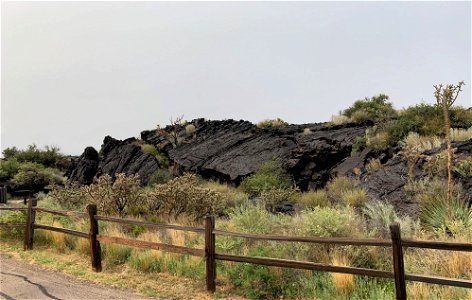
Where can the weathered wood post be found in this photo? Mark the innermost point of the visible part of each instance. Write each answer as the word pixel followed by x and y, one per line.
pixel 29 230
pixel 95 251
pixel 210 254
pixel 3 194
pixel 398 266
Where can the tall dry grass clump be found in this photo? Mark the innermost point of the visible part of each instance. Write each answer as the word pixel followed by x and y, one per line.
pixel 344 283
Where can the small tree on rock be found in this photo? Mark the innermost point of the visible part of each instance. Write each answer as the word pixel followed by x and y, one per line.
pixel 445 96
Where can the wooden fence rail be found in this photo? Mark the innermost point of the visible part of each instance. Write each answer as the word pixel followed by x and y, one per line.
pixel 397 243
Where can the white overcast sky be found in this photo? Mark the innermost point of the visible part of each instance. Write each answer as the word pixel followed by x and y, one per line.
pixel 73 72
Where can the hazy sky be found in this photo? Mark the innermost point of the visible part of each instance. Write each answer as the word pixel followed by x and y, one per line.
pixel 73 72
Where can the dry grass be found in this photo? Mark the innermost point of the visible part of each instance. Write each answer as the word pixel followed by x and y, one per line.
pixel 344 283
pixel 458 134
pixel 373 165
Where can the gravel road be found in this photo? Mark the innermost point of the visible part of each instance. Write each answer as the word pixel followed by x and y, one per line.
pixel 21 280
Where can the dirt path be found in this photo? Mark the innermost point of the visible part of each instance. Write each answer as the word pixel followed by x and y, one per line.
pixel 21 280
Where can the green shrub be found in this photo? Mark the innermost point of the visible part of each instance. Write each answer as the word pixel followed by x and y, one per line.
pixel 355 198
pixel 272 123
pixel 185 195
pixel 161 176
pixel 314 198
pixel 150 149
pixel 49 157
pixel 12 217
pixel 272 198
pixel 436 212
pixel 328 222
pixel 9 153
pixel 34 176
pixel 338 186
pixel 163 160
pixel 359 145
pixel 9 168
pixel 376 108
pixel 256 219
pixel 268 176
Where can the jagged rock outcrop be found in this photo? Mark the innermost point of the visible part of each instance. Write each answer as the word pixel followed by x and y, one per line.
pixel 86 167
pixel 126 157
pixel 388 182
pixel 230 150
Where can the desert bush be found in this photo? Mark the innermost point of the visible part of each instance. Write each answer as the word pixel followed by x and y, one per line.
pixel 373 165
pixel 314 198
pixel 161 176
pixel 150 149
pixel 273 197
pixel 35 176
pixel 71 196
pixel 375 108
pixel 380 215
pixel 268 176
pixel 436 212
pixel 359 145
pixel 354 198
pixel 190 129
pixel 256 219
pixel 163 160
pixel 233 196
pixel 307 131
pixel 115 196
pixel 436 165
pixel 413 142
pixel 9 168
pixel 271 123
pixel 328 222
pixel 463 167
pixel 378 140
pixel 338 186
pixel 324 222
pixel 339 119
pixel 184 195
pixel 360 116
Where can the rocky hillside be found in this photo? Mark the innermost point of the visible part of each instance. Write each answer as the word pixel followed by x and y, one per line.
pixel 230 150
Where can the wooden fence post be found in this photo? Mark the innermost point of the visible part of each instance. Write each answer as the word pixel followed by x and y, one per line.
pixel 398 267
pixel 29 230
pixel 95 251
pixel 210 254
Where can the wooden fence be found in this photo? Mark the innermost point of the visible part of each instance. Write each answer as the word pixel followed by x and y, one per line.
pixel 397 243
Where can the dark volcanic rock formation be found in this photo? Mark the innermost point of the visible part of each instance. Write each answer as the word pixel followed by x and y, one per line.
pixel 388 182
pixel 86 167
pixel 126 157
pixel 230 150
